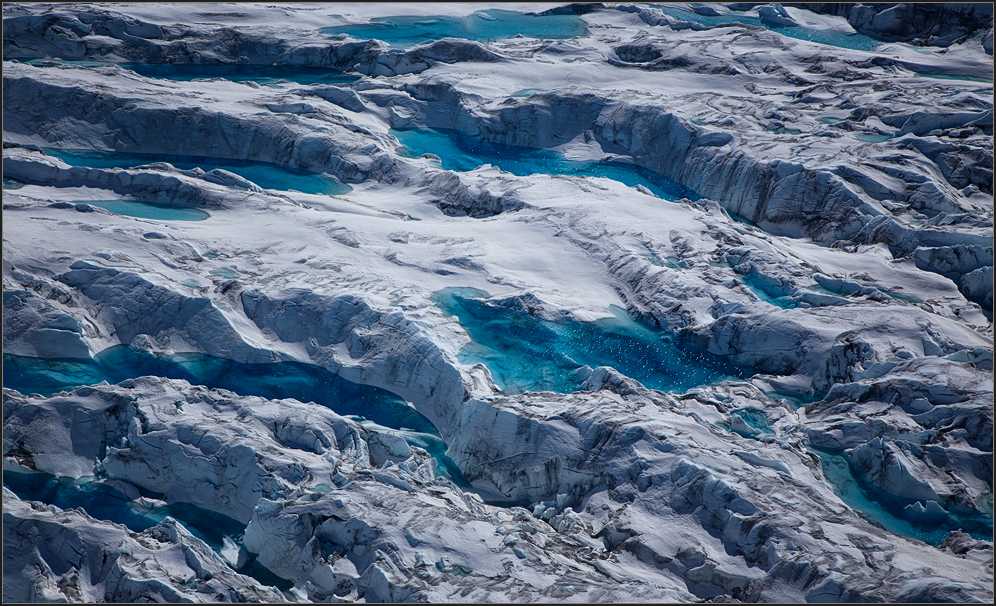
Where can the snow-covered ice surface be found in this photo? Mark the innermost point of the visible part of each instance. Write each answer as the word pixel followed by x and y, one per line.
pixel 815 317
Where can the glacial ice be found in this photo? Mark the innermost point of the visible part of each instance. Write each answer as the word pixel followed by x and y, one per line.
pixel 439 371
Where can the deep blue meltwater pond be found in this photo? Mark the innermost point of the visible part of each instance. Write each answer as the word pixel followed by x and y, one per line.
pixel 100 501
pixel 302 382
pixel 105 503
pixel 524 353
pixel 461 152
pixel 482 26
pixel 267 176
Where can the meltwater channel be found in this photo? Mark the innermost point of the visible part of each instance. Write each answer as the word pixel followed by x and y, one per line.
pixel 461 152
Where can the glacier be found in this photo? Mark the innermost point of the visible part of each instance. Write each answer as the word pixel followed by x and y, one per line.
pixel 595 302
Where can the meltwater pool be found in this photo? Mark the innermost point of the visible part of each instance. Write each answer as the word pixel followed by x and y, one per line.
pixel 100 501
pixel 524 353
pixel 890 515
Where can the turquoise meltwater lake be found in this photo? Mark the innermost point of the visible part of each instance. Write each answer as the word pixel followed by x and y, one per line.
pixel 267 176
pixel 461 152
pixel 873 137
pixel 482 26
pixel 524 353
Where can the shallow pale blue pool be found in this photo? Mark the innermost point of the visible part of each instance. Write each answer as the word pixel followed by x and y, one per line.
pixel 755 419
pixel 853 41
pixel 267 176
pixel 482 26
pixel 147 210
pixel 873 137
pixel 528 92
pixel 524 353
pixel 460 152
